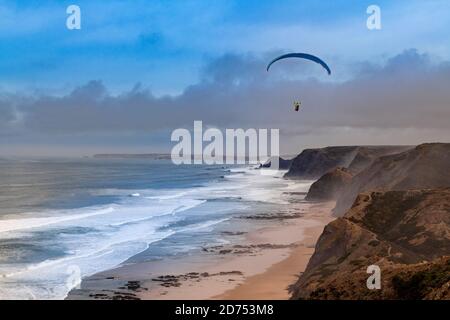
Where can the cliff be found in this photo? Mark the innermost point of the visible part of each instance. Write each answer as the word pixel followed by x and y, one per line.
pixel 425 166
pixel 311 164
pixel 365 156
pixel 330 185
pixel 405 233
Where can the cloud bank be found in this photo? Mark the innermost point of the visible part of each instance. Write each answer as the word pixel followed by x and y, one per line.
pixel 409 94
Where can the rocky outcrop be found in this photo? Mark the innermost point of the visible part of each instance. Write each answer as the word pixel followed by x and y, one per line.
pixel 405 233
pixel 283 164
pixel 421 281
pixel 311 164
pixel 330 185
pixel 425 166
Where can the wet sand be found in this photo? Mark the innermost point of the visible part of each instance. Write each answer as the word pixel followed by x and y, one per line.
pixel 262 264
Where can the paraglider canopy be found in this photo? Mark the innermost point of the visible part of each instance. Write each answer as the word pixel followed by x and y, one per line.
pixel 301 56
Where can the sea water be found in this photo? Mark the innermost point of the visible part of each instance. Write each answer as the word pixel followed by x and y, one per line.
pixel 64 219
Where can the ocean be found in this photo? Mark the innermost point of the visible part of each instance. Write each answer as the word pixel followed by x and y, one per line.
pixel 65 219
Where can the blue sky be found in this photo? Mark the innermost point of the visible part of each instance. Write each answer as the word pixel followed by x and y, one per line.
pixel 165 44
pixel 139 69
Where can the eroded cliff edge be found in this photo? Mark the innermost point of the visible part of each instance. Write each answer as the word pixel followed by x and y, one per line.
pixel 394 212
pixel 405 233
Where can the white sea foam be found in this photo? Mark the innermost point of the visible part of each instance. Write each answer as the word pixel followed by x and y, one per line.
pixel 30 223
pixel 114 233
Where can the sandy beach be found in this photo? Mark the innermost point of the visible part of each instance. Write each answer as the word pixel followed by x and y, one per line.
pixel 261 264
pixel 274 282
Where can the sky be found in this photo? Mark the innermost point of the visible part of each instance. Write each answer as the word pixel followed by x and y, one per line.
pixel 137 70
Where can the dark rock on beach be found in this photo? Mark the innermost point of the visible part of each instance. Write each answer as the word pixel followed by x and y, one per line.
pixel 283 164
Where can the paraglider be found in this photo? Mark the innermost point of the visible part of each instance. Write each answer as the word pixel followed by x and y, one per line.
pixel 301 56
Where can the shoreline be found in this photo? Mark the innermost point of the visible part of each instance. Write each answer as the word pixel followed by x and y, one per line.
pixel 274 283
pixel 261 264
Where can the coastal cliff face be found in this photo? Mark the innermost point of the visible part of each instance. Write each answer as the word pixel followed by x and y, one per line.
pixel 405 233
pixel 425 166
pixel 330 185
pixel 311 164
pixel 365 156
